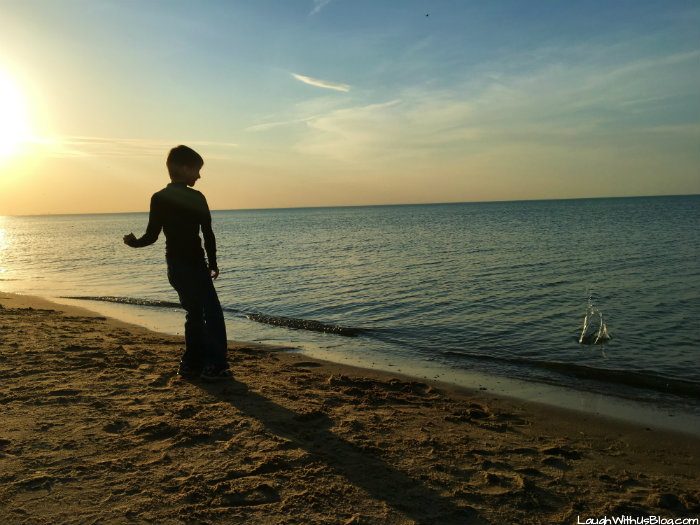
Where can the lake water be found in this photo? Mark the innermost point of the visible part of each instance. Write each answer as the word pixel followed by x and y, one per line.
pixel 498 289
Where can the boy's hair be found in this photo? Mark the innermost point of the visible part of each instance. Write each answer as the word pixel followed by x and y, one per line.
pixel 182 156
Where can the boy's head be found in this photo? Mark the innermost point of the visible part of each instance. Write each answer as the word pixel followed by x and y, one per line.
pixel 183 163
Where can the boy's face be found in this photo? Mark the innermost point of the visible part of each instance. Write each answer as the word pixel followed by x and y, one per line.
pixel 190 175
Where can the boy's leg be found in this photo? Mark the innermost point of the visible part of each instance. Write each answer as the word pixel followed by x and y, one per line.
pixel 215 341
pixel 205 330
pixel 181 279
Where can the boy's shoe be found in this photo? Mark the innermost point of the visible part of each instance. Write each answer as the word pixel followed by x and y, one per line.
pixel 189 371
pixel 216 373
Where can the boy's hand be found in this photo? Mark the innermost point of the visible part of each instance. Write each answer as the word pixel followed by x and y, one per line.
pixel 130 239
pixel 214 271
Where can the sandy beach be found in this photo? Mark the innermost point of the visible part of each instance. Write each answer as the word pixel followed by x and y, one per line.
pixel 98 428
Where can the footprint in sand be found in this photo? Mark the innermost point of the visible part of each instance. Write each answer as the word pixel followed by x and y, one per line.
pixel 156 431
pixel 500 483
pixel 116 427
pixel 4 446
pixel 530 471
pixel 558 463
pixel 188 411
pixel 231 496
pixel 306 364
pixel 564 451
pixel 160 380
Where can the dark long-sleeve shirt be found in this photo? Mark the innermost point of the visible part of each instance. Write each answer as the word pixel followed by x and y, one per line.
pixel 180 212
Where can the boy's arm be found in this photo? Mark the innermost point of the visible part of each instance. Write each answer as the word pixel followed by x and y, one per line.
pixel 209 241
pixel 155 224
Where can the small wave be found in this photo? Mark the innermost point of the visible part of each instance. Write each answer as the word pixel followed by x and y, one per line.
pixel 126 300
pixel 306 324
pixel 641 379
pixel 288 322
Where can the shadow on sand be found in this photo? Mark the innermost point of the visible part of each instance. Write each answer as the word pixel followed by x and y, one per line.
pixel 361 468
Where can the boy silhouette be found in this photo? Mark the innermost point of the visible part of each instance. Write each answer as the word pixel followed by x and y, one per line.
pixel 180 212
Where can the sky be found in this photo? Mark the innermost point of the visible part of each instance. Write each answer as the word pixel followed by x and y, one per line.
pixel 346 102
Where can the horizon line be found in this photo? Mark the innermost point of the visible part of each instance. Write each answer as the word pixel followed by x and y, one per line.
pixel 49 214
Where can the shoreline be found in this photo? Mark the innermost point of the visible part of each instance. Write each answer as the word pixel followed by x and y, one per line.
pixel 616 408
pixel 98 428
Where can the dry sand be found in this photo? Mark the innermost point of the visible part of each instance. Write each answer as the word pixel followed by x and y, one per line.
pixel 98 428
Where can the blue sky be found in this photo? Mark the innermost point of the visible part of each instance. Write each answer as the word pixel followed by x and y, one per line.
pixel 341 102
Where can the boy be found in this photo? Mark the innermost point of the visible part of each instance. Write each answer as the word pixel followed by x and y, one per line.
pixel 180 211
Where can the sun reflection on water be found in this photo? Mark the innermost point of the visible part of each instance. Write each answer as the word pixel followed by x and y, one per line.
pixel 4 245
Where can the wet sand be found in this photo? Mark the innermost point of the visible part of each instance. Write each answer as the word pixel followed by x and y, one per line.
pixel 98 428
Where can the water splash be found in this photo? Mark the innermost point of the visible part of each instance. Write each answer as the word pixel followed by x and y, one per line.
pixel 594 332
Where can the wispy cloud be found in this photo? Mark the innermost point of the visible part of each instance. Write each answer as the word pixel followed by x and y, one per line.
pixel 561 106
pixel 318 5
pixel 81 146
pixel 278 124
pixel 321 83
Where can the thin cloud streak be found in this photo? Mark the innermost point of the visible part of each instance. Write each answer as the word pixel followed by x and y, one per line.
pixel 321 83
pixel 318 5
pixel 278 124
pixel 80 146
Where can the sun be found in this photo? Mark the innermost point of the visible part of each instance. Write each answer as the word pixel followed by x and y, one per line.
pixel 14 129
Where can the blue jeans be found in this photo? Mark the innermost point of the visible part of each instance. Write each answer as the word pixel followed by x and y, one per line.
pixel 205 330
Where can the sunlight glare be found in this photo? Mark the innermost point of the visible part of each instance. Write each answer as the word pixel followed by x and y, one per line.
pixel 14 129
